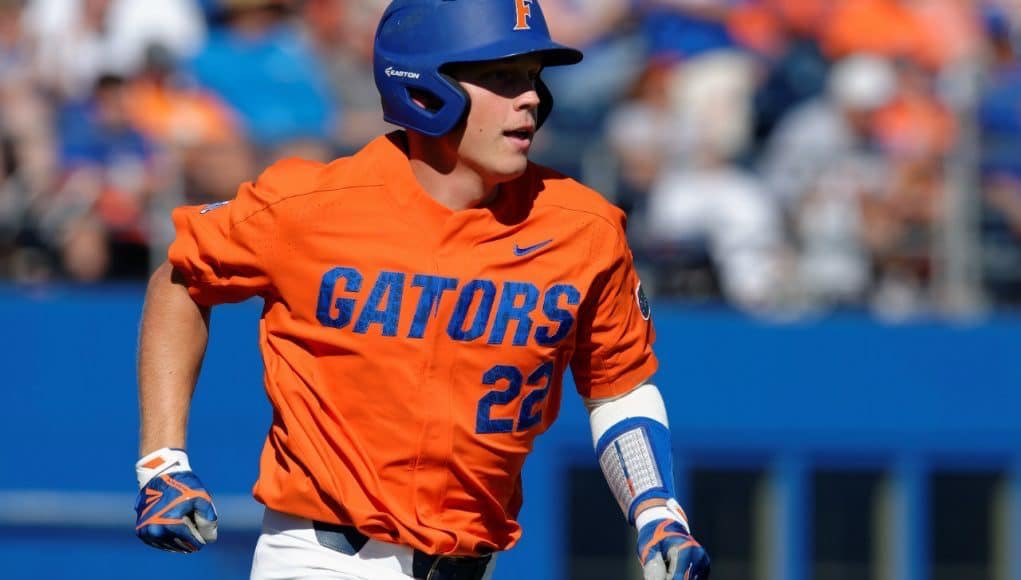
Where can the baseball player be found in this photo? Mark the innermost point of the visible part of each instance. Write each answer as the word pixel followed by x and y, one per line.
pixel 423 299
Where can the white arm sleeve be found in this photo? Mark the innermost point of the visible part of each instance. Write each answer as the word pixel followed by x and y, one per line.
pixel 643 401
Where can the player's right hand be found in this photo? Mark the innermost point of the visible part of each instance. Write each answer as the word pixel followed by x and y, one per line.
pixel 667 550
pixel 174 510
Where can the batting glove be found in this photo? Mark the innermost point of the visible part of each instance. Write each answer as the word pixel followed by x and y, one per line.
pixel 665 546
pixel 175 513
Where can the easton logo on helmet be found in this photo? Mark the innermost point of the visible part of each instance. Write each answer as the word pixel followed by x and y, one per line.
pixel 524 9
pixel 404 74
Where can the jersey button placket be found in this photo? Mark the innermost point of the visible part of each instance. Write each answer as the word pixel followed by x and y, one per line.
pixel 435 438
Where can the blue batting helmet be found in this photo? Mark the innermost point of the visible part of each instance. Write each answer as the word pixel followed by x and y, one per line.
pixel 417 38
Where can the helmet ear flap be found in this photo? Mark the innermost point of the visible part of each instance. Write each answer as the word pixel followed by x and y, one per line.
pixel 545 102
pixel 464 98
pixel 436 102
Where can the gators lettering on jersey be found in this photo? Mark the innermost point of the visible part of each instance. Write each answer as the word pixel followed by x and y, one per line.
pixel 515 303
pixel 413 353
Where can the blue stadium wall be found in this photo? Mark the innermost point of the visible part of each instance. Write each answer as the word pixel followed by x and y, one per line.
pixel 843 390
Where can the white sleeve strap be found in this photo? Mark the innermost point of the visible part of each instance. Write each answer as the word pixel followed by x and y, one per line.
pixel 644 401
pixel 165 460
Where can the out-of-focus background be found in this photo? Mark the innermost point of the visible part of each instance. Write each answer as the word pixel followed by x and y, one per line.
pixel 824 202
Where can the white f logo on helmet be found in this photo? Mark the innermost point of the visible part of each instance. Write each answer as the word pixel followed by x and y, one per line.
pixel 524 10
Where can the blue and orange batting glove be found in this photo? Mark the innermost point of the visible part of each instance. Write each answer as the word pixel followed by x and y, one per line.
pixel 175 512
pixel 666 548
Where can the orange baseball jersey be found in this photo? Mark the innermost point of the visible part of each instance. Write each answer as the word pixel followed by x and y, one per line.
pixel 413 353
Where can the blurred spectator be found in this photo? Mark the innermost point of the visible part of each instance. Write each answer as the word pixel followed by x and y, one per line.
pixel 79 40
pixel 644 134
pixel 713 224
pixel 342 32
pixel 861 176
pixel 783 33
pixel 822 131
pixel 27 153
pixel 933 33
pixel 900 221
pixel 71 43
pixel 820 163
pixel 603 31
pixel 915 124
pixel 135 25
pixel 644 131
pixel 173 112
pixel 767 26
pixel 956 23
pixel 704 206
pixel 711 97
pixel 606 31
pixel 834 266
pixel 915 132
pixel 197 133
pixel 260 64
pixel 109 173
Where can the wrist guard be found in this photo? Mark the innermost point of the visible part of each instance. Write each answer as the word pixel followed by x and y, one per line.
pixel 637 460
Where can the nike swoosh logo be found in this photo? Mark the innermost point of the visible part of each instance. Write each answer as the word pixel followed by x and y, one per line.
pixel 519 251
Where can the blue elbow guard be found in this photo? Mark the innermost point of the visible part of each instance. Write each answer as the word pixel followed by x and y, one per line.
pixel 637 460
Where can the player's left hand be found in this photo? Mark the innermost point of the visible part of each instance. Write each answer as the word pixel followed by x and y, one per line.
pixel 668 552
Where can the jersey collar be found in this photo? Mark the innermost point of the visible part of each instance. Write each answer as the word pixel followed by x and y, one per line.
pixel 390 161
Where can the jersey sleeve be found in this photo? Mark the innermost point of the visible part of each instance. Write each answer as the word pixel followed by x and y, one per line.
pixel 614 353
pixel 224 249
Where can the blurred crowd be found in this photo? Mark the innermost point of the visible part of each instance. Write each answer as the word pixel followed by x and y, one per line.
pixel 782 156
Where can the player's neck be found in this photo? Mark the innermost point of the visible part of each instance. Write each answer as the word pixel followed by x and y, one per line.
pixel 446 178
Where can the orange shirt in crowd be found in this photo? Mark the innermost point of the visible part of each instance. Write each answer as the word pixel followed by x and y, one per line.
pixel 915 126
pixel 169 115
pixel 886 27
pixel 766 26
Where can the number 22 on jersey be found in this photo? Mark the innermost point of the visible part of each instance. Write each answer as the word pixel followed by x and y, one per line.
pixel 530 414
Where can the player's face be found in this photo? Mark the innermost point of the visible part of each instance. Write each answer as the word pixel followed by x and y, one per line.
pixel 501 120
